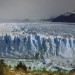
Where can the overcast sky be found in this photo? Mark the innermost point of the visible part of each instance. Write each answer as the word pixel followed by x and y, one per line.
pixel 34 9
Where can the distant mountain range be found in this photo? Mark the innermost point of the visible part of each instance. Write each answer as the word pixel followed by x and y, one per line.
pixel 14 20
pixel 67 17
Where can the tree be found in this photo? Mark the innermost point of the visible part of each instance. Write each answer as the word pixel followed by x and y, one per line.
pixel 2 67
pixel 21 66
pixel 2 64
pixel 72 72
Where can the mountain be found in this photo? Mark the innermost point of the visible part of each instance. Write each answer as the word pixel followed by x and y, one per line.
pixel 67 17
pixel 48 19
pixel 14 20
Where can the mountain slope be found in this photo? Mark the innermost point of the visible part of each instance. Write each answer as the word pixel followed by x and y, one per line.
pixel 67 17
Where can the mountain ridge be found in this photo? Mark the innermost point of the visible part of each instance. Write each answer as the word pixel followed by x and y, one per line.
pixel 68 17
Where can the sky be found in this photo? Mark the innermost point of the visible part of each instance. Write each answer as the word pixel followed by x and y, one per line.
pixel 34 9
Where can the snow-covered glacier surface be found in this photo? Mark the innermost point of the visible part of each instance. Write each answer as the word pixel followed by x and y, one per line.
pixel 38 40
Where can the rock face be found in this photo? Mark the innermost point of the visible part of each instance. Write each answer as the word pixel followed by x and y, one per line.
pixel 68 17
pixel 36 46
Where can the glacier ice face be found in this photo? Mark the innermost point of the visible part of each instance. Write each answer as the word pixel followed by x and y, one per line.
pixel 47 43
pixel 36 46
pixel 37 40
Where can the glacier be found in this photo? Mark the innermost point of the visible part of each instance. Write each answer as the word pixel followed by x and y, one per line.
pixel 38 43
pixel 37 46
pixel 34 40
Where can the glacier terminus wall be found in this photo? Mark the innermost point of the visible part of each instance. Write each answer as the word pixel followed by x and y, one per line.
pixel 37 40
pixel 36 46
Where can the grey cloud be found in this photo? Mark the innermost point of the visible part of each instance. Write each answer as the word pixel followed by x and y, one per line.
pixel 34 9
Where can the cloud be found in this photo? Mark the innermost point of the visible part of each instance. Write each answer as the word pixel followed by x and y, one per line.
pixel 34 9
